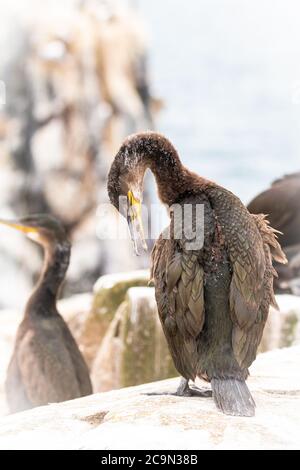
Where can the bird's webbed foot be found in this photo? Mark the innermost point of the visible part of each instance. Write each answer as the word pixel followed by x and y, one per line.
pixel 185 391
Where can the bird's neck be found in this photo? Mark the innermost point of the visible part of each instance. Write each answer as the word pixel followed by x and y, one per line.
pixel 172 178
pixel 56 262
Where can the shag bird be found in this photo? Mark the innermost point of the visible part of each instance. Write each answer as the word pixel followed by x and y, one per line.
pixel 46 365
pixel 213 298
pixel 281 202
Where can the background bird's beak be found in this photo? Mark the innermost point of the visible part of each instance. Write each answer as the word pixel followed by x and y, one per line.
pixel 135 224
pixel 19 226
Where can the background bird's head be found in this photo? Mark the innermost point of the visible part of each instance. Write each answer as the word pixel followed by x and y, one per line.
pixel 41 228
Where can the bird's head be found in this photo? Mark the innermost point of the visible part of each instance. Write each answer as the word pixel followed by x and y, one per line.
pixel 41 228
pixel 125 188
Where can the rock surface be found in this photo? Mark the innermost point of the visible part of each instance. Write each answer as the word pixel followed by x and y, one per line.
pixel 131 419
pixel 134 349
pixel 283 327
pixel 109 293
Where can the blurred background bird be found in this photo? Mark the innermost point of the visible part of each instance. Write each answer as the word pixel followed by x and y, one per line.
pixel 46 365
pixel 281 204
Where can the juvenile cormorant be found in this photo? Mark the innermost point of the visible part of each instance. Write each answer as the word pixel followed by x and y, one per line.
pixel 46 365
pixel 213 300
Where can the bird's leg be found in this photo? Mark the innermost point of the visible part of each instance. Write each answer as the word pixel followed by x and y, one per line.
pixel 185 391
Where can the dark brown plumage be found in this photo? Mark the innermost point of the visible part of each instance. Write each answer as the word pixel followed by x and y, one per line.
pixel 46 365
pixel 213 301
pixel 282 204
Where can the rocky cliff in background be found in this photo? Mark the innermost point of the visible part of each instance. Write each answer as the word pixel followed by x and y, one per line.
pixel 76 84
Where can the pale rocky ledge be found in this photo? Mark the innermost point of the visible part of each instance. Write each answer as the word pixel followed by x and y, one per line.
pixel 131 419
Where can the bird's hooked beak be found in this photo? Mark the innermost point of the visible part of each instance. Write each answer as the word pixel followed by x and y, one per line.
pixel 22 227
pixel 135 223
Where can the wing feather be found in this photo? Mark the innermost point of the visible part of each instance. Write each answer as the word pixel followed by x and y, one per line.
pixel 246 339
pixel 251 245
pixel 179 279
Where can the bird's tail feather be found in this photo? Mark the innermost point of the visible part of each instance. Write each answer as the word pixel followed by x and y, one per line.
pixel 233 397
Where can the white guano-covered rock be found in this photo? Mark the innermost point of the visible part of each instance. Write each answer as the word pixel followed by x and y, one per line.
pixel 134 349
pixel 283 326
pixel 131 419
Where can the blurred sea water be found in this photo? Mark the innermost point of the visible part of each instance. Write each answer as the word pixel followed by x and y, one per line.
pixel 229 72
